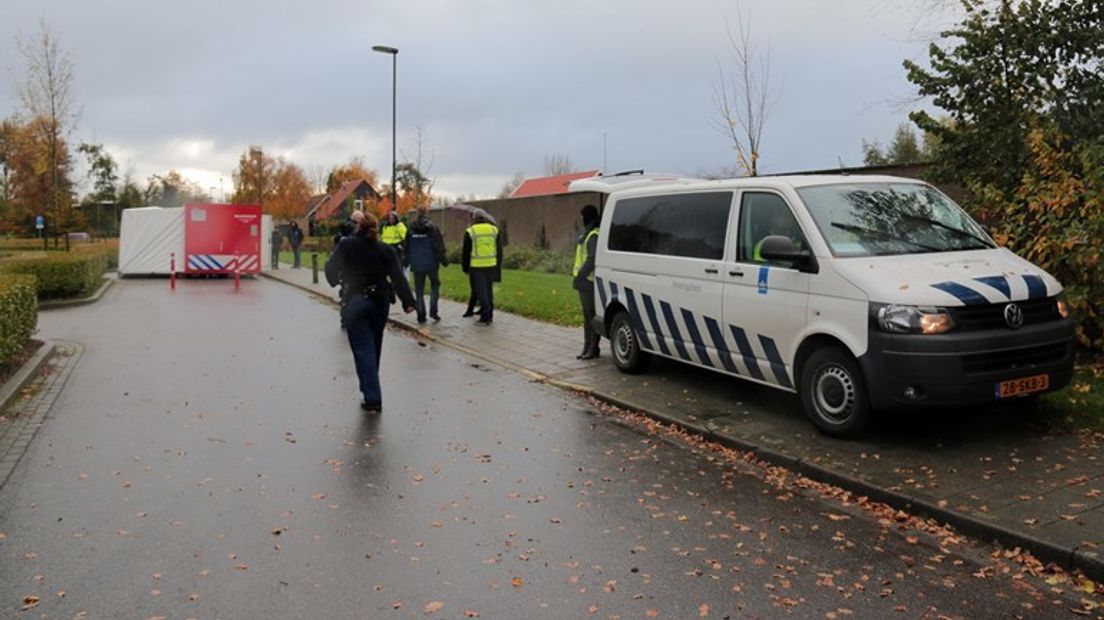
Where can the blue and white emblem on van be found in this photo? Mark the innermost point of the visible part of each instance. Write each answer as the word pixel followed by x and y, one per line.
pixel 970 294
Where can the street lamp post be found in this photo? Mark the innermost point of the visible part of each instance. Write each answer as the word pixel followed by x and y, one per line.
pixel 394 52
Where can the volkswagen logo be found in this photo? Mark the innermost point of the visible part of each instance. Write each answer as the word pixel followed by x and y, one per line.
pixel 1013 316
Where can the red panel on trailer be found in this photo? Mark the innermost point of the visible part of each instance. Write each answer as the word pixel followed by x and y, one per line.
pixel 222 238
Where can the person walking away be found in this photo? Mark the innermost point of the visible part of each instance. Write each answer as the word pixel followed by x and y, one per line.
pixel 295 238
pixel 583 279
pixel 372 276
pixel 348 227
pixel 482 256
pixel 393 233
pixel 277 240
pixel 425 251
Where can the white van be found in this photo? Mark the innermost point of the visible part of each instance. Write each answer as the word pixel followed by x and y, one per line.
pixel 859 293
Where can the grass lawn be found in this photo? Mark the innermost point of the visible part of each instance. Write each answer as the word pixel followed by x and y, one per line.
pixel 546 297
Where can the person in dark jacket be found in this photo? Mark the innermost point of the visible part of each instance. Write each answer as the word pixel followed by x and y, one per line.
pixel 425 252
pixel 583 279
pixel 295 239
pixel 372 276
pixel 276 239
pixel 348 227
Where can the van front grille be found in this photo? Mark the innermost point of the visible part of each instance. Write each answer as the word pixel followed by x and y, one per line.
pixel 991 316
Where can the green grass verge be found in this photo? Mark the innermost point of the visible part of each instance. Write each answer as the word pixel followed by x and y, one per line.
pixel 546 297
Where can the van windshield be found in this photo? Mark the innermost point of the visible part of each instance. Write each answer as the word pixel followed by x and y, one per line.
pixel 883 219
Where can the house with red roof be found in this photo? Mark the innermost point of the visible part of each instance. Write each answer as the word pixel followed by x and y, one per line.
pixel 547 186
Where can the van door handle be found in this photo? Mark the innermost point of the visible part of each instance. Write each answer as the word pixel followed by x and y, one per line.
pixel 736 273
pixel 711 270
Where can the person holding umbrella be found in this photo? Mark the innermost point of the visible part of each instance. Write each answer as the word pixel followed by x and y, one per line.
pixel 482 259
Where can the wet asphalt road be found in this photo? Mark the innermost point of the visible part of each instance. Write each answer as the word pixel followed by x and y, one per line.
pixel 207 459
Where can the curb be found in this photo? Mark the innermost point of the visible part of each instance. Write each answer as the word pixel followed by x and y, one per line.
pixel 10 390
pixel 54 304
pixel 1089 562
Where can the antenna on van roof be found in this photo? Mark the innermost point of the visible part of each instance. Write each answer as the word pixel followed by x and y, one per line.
pixel 625 173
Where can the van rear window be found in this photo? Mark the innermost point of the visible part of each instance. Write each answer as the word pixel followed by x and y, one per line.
pixel 688 225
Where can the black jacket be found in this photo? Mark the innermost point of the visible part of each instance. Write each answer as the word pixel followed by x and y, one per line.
pixel 368 266
pixel 425 248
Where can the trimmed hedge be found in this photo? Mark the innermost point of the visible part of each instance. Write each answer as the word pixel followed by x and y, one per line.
pixel 525 258
pixel 61 274
pixel 18 313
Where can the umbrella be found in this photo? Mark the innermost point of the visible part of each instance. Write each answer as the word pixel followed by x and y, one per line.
pixel 468 210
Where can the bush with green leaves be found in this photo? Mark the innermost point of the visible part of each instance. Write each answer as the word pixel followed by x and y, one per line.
pixel 524 258
pixel 18 313
pixel 61 274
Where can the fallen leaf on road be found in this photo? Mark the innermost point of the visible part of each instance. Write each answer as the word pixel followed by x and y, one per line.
pixel 593 609
pixel 703 610
pixel 30 602
pixel 517 581
pixel 471 613
pixel 434 607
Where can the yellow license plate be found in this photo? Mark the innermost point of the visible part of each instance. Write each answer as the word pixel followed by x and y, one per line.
pixel 1025 385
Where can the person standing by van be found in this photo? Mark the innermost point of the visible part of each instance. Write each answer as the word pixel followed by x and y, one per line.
pixel 482 258
pixel 586 246
pixel 372 275
pixel 425 249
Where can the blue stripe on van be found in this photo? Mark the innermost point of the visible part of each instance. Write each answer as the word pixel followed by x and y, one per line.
pixel 598 284
pixel 649 306
pixel 638 325
pixel 998 282
pixel 719 343
pixel 1036 288
pixel 776 363
pixel 695 336
pixel 673 327
pixel 613 292
pixel 966 295
pixel 745 352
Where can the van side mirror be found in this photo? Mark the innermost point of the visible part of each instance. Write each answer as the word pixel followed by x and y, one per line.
pixel 782 249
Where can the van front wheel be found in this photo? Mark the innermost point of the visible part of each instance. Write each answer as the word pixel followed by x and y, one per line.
pixel 627 354
pixel 833 393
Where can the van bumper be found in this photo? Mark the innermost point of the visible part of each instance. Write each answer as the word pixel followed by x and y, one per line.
pixel 964 368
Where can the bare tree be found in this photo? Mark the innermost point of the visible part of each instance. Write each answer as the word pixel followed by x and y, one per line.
pixel 556 165
pixel 424 184
pixel 511 185
pixel 317 174
pixel 47 94
pixel 743 96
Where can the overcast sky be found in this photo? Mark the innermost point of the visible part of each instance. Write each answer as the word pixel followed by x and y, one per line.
pixel 496 85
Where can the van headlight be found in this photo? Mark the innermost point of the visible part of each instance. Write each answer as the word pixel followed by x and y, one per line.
pixel 1063 306
pixel 900 319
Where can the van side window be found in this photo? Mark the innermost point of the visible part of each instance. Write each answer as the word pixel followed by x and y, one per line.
pixel 690 225
pixel 763 215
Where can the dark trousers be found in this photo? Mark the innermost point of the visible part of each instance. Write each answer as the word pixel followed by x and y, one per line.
pixel 482 279
pixel 472 301
pixel 275 255
pixel 365 320
pixel 295 249
pixel 419 292
pixel 590 337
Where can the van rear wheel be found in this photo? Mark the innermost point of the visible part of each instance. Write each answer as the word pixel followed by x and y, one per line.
pixel 625 343
pixel 833 393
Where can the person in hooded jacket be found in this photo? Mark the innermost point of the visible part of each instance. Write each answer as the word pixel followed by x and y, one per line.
pixel 425 252
pixel 372 276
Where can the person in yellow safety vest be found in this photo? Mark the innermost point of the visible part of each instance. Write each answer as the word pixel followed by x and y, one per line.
pixel 583 279
pixel 482 260
pixel 393 233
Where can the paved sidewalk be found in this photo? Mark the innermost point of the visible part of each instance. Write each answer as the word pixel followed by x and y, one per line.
pixel 996 474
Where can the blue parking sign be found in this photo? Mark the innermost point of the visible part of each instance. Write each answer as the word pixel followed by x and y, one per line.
pixel 40 222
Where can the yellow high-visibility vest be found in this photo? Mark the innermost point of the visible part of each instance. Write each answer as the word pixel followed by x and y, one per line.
pixel 581 254
pixel 392 234
pixel 484 245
